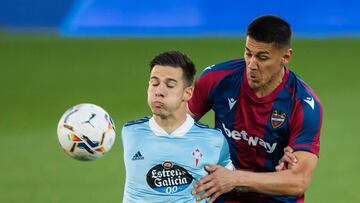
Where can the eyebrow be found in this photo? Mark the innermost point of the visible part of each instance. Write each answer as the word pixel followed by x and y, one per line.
pixel 171 80
pixel 167 79
pixel 260 52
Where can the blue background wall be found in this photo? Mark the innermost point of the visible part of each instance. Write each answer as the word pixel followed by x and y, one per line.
pixel 33 13
pixel 179 17
pixel 208 17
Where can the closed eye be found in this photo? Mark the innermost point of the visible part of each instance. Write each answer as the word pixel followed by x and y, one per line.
pixel 154 82
pixel 171 84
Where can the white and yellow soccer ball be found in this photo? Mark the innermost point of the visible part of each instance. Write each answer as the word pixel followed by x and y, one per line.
pixel 86 132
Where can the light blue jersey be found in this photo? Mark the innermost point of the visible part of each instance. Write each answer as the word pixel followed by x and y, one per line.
pixel 163 167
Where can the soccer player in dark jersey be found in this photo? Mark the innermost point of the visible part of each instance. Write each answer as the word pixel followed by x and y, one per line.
pixel 261 106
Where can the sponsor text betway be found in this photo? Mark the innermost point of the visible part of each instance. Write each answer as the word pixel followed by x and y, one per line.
pixel 251 140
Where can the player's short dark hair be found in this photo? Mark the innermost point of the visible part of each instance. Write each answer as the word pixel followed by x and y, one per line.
pixel 176 59
pixel 270 29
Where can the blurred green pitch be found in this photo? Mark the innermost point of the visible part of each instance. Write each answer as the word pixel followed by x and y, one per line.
pixel 42 76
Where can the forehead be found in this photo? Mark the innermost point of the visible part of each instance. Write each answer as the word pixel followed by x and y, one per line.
pixel 166 72
pixel 255 46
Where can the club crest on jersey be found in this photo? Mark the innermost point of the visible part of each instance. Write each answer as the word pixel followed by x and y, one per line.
pixel 197 155
pixel 277 118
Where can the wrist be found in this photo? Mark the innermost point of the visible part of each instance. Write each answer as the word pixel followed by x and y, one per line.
pixel 240 178
pixel 240 181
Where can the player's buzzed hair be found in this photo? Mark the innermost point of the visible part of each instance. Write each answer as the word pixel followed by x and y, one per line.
pixel 176 59
pixel 270 29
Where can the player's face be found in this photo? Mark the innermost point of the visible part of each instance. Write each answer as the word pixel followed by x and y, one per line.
pixel 264 63
pixel 167 91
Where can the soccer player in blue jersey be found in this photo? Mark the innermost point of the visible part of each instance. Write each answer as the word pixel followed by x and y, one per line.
pixel 261 106
pixel 166 154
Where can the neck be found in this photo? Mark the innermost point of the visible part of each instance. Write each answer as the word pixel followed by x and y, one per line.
pixel 172 122
pixel 269 87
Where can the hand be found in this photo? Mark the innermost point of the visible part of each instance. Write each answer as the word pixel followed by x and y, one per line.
pixel 220 180
pixel 289 159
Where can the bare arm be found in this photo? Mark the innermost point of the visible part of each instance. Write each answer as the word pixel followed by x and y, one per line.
pixel 293 181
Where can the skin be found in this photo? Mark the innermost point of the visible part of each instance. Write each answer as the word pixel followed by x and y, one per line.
pixel 293 181
pixel 168 94
pixel 265 69
pixel 265 66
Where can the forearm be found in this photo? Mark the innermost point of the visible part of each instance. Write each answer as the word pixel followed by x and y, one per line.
pixel 277 183
pixel 293 181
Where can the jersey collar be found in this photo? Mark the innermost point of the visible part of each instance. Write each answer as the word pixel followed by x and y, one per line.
pixel 179 132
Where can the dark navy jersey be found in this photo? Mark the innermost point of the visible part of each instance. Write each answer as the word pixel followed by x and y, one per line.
pixel 258 129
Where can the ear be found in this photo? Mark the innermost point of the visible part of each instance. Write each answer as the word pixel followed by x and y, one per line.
pixel 188 91
pixel 286 57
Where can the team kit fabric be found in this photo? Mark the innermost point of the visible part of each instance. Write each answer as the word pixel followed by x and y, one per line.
pixel 258 129
pixel 163 167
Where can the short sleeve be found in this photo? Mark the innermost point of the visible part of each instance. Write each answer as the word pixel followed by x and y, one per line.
pixel 205 85
pixel 199 103
pixel 305 126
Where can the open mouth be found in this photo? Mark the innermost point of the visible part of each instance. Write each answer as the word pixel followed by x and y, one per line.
pixel 253 78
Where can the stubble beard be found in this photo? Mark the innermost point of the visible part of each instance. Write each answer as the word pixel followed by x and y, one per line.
pixel 161 113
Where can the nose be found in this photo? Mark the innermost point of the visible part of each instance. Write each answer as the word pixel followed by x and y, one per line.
pixel 252 63
pixel 160 91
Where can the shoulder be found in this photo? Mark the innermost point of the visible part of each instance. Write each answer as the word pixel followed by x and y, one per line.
pixel 135 128
pixel 307 103
pixel 201 125
pixel 138 121
pixel 204 127
pixel 303 92
pixel 214 74
pixel 209 132
pixel 227 66
pixel 136 124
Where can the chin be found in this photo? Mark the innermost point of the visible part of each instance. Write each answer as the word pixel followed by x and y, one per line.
pixel 254 85
pixel 160 113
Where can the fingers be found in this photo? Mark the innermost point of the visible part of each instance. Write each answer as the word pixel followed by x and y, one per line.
pixel 210 185
pixel 288 149
pixel 211 169
pixel 289 158
pixel 213 198
pixel 280 167
pixel 289 155
pixel 208 193
pixel 202 185
pixel 199 186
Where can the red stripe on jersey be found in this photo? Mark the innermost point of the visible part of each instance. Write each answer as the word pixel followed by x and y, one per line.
pixel 301 199
pixel 199 103
pixel 252 116
pixel 297 129
pixel 296 121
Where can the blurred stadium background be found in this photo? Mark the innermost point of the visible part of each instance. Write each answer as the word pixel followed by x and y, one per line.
pixel 55 54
